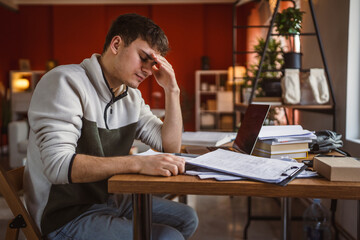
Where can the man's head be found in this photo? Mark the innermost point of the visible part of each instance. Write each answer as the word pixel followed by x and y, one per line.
pixel 133 26
pixel 131 45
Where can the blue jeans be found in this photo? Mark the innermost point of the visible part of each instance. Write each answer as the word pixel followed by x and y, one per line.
pixel 112 220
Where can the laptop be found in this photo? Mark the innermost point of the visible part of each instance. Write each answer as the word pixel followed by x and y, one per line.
pixel 247 134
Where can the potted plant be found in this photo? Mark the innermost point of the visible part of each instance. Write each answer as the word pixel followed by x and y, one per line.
pixel 269 80
pixel 288 24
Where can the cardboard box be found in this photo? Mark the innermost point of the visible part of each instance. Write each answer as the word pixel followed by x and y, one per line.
pixel 338 168
pixel 207 120
pixel 211 105
pixel 224 101
pixel 226 122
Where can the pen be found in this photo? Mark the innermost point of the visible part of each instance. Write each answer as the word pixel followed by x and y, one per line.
pixel 187 155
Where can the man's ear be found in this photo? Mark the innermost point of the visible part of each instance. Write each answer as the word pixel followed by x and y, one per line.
pixel 115 44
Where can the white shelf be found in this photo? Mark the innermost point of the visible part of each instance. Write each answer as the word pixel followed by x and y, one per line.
pixel 20 98
pixel 210 113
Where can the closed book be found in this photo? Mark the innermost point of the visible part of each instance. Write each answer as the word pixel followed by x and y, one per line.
pixel 281 154
pixel 338 168
pixel 273 146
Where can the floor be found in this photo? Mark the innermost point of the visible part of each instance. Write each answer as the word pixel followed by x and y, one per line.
pixel 221 217
pixel 224 218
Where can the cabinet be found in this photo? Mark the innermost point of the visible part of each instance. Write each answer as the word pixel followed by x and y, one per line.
pixel 213 101
pixel 22 85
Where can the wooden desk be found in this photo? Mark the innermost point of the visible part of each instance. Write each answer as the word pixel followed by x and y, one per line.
pixel 142 187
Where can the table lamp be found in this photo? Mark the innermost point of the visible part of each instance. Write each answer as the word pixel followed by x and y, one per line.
pixel 239 75
pixel 21 84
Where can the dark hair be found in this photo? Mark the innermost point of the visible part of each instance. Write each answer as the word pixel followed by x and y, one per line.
pixel 132 26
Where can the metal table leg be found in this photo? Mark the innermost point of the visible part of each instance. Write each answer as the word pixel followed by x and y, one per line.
pixel 249 217
pixel 285 217
pixel 142 211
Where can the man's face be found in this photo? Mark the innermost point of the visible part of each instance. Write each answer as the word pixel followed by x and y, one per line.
pixel 133 64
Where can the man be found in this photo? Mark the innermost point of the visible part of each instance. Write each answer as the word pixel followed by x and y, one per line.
pixel 83 120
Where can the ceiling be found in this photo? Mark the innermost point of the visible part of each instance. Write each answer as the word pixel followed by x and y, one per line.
pixel 13 4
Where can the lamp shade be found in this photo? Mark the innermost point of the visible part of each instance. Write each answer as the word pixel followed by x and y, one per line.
pixel 239 74
pixel 21 84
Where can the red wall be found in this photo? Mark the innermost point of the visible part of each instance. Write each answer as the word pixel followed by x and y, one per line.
pixel 70 33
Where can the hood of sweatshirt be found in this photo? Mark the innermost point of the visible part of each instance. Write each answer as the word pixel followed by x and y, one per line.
pixel 93 70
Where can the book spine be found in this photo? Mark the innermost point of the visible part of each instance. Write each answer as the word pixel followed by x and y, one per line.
pixel 281 147
pixel 297 155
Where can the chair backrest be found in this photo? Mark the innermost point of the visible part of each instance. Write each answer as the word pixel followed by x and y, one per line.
pixel 11 182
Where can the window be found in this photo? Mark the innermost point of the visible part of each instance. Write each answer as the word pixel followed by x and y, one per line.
pixel 353 80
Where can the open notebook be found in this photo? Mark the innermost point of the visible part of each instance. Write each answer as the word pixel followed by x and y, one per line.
pixel 247 134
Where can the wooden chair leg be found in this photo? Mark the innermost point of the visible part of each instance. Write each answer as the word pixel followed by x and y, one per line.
pixel 12 233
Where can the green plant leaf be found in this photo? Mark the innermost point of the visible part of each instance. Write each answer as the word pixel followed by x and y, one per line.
pixel 288 22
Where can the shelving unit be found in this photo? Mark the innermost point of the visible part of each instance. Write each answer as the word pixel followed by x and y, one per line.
pixel 213 101
pixel 22 86
pixel 329 108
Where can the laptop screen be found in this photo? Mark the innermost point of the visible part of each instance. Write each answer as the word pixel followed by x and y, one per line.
pixel 250 127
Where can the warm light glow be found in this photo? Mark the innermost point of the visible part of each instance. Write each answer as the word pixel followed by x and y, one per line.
pixel 272 4
pixel 21 84
pixel 239 74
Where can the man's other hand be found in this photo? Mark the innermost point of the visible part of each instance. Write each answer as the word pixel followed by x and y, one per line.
pixel 162 164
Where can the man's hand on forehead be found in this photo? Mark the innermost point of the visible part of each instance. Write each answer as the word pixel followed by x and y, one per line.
pixel 151 57
pixel 164 73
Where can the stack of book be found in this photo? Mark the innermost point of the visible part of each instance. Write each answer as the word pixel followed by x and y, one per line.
pixel 279 150
pixel 290 141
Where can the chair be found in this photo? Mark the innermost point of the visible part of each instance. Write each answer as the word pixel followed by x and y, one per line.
pixel 11 182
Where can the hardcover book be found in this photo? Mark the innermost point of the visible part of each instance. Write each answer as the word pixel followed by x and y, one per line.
pixel 297 154
pixel 273 146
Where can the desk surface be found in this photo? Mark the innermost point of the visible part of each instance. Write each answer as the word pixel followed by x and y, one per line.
pixel 184 184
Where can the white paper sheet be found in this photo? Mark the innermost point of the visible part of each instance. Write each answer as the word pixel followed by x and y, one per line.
pixel 283 133
pixel 227 177
pixel 215 175
pixel 207 174
pixel 149 152
pixel 257 168
pixel 207 138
